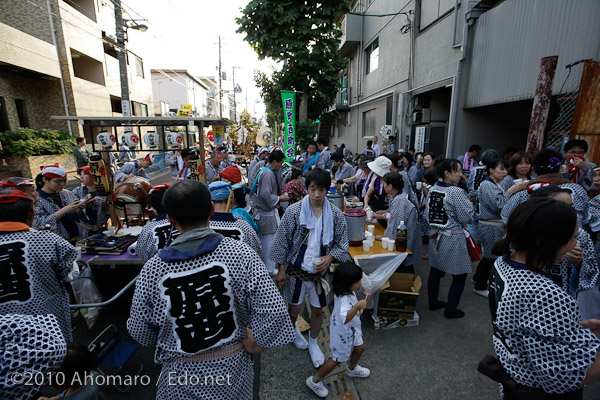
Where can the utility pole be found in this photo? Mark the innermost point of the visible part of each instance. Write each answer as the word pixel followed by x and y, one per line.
pixel 220 83
pixel 234 92
pixel 125 104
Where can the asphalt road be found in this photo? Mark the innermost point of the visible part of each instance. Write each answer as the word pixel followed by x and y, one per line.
pixel 435 360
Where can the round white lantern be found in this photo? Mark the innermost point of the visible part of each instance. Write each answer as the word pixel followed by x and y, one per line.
pixel 174 139
pixel 151 139
pixel 130 139
pixel 106 139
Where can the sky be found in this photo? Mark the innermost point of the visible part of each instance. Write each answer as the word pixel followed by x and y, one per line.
pixel 183 34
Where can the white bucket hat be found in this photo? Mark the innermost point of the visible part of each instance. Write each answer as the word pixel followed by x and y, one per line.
pixel 380 166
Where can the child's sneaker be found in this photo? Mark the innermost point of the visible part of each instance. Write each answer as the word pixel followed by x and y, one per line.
pixel 318 388
pixel 358 372
pixel 299 341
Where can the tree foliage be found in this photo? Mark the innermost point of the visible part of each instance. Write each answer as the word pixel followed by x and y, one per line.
pixel 304 36
pixel 25 142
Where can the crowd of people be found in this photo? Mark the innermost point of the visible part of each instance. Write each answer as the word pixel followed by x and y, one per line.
pixel 228 263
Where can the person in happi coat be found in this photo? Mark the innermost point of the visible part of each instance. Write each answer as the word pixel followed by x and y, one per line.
pixel 491 199
pixel 448 211
pixel 542 346
pixel 310 157
pixel 227 224
pixel 58 207
pixel 546 164
pixel 312 234
pixel 344 169
pixel 32 346
pixel 135 168
pixel 95 214
pixel 206 303
pixel 36 265
pixel 402 209
pixel 265 204
pixel 261 155
pixel 324 160
pixel 159 232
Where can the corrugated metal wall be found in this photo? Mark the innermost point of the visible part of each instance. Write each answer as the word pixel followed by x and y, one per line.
pixel 510 40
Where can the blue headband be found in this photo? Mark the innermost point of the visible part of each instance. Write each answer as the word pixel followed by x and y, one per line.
pixel 219 191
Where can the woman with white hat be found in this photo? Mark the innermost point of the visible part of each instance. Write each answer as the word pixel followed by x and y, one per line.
pixel 375 195
pixel 57 206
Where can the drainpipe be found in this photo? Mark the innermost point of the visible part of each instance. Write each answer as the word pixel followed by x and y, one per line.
pixel 457 83
pixel 394 115
pixel 471 15
pixel 62 81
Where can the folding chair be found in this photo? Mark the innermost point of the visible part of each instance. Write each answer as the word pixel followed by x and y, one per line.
pixel 111 354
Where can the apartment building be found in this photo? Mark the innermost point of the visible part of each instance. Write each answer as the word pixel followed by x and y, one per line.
pixel 177 87
pixel 445 74
pixel 61 57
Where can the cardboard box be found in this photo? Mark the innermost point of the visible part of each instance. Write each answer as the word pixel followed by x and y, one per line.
pixel 399 299
pixel 391 323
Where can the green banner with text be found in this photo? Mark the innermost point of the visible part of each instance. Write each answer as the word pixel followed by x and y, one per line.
pixel 289 114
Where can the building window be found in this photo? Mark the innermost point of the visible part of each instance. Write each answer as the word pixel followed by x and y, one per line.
pixel 87 68
pixel 432 10
pixel 369 123
pixel 116 105
pixel 86 7
pixel 139 109
pixel 4 125
pixel 22 113
pixel 372 57
pixel 139 67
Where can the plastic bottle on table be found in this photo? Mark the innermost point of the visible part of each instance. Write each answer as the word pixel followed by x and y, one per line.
pixel 401 237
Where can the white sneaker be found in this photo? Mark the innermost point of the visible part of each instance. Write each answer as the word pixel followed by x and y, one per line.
pixel 316 355
pixel 483 293
pixel 318 388
pixel 358 372
pixel 299 341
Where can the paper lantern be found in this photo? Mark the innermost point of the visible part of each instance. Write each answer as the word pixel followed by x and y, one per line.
pixel 151 139
pixel 106 139
pixel 174 139
pixel 130 139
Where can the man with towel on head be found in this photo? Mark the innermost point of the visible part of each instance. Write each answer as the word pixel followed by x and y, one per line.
pixel 135 168
pixel 224 222
pixel 311 235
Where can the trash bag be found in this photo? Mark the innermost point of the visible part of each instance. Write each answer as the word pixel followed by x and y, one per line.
pixel 377 270
pixel 87 292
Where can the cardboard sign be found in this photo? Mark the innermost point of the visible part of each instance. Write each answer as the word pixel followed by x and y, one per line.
pixel 98 172
pixel 197 170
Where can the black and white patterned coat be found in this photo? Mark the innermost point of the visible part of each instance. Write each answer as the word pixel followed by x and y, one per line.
pixel 538 338
pixel 44 213
pixel 492 198
pixel 237 228
pixel 449 210
pixel 401 209
pixel 578 195
pixel 154 236
pixel 288 238
pixel 32 348
pixel 589 275
pixel 196 296
pixel 34 266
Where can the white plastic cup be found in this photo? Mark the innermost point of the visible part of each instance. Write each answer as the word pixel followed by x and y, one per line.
pixel 366 245
pixel 316 261
pixel 384 241
pixel 391 244
pixel 371 228
pixel 111 231
pixel 518 181
pixel 419 185
pixel 369 214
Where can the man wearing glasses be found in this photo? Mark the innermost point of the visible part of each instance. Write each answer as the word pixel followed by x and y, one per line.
pixel 58 207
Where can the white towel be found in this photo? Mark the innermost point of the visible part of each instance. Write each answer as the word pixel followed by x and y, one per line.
pixel 307 219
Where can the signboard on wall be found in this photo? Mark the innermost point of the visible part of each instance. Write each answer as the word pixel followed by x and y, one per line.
pixel 218 131
pixel 420 138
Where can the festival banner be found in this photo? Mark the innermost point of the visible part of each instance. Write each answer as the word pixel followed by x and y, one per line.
pixel 218 131
pixel 289 114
